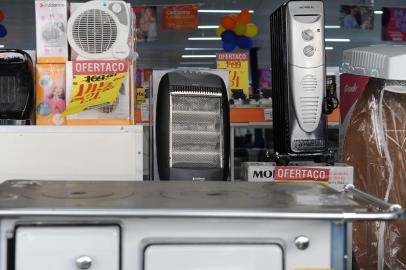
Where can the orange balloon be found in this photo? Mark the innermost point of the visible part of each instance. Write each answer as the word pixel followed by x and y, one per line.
pixel 228 22
pixel 244 17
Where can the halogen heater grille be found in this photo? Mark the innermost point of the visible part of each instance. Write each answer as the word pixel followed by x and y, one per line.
pixel 196 129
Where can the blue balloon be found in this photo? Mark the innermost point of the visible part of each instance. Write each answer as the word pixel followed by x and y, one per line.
pixel 3 31
pixel 244 42
pixel 228 36
pixel 229 46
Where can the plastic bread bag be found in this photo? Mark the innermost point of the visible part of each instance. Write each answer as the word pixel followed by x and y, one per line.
pixel 375 144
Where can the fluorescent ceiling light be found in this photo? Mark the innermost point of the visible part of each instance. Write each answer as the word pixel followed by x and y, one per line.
pixel 338 40
pixel 204 38
pixel 329 48
pixel 203 49
pixel 1 46
pixel 199 56
pixel 196 63
pixel 378 12
pixel 221 11
pixel 332 26
pixel 207 26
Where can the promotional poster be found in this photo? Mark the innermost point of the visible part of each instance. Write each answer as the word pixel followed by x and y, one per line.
pixel 357 17
pixel 394 24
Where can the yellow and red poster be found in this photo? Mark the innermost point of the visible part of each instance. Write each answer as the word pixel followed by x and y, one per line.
pixel 180 17
pixel 95 84
pixel 237 65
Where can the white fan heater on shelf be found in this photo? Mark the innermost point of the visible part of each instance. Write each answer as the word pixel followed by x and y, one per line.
pixel 100 30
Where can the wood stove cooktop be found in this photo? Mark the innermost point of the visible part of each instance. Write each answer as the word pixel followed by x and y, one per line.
pixel 175 199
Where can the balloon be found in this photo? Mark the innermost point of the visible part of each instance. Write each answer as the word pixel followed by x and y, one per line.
pixel 229 46
pixel 228 36
pixel 1 15
pixel 244 43
pixel 3 31
pixel 228 22
pixel 240 29
pixel 251 30
pixel 220 30
pixel 244 17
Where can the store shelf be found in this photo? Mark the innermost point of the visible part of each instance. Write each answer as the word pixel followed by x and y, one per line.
pixel 245 114
pixel 69 129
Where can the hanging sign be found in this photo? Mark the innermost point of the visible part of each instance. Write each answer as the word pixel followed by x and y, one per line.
pixel 180 17
pixel 237 65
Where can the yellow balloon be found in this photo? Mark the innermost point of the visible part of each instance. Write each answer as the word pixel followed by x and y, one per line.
pixel 251 30
pixel 220 30
pixel 240 29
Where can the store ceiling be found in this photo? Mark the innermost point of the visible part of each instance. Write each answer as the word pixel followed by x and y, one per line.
pixel 168 50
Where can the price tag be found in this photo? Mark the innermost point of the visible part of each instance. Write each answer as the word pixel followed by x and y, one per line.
pixel 268 114
pixel 144 112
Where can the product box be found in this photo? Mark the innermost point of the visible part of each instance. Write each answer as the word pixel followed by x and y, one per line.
pixel 51 21
pixel 352 86
pixel 336 176
pixel 96 81
pixel 50 94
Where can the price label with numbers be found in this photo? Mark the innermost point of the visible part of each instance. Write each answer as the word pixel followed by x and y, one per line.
pixel 237 65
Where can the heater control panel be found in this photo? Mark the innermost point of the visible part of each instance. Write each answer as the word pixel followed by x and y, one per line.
pixel 306 35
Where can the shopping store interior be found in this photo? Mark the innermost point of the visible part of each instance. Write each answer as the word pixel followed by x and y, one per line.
pixel 197 48
pixel 102 102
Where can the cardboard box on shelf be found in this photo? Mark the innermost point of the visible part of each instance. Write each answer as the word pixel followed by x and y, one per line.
pixel 50 94
pixel 51 21
pixel 336 176
pixel 115 85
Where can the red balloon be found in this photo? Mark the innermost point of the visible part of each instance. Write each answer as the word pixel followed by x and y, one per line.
pixel 228 22
pixel 244 17
pixel 1 15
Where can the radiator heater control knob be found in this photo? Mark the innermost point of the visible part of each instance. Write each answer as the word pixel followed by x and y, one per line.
pixel 307 35
pixel 84 262
pixel 116 8
pixel 302 242
pixel 309 50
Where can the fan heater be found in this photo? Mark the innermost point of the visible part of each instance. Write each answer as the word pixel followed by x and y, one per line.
pixel 192 131
pixel 100 30
pixel 298 73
